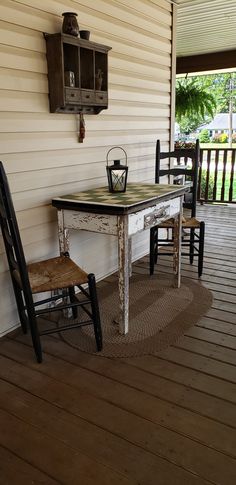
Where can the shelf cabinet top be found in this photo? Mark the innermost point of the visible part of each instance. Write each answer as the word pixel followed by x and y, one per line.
pixel 70 39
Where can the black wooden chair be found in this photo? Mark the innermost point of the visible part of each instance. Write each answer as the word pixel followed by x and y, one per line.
pixel 58 275
pixel 193 229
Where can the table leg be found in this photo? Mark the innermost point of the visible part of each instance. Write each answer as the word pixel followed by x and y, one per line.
pixel 64 246
pixel 123 257
pixel 177 246
pixel 63 234
pixel 130 256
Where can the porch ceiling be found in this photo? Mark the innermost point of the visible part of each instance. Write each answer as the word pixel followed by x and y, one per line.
pixel 205 26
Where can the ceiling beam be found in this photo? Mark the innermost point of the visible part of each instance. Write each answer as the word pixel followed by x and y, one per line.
pixel 206 62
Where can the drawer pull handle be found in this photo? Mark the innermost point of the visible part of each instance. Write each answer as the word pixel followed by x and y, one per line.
pixel 161 213
pixel 87 96
pixel 152 219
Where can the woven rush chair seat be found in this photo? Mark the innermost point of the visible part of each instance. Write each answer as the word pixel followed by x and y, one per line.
pixel 187 223
pixel 57 277
pixel 182 164
pixel 54 273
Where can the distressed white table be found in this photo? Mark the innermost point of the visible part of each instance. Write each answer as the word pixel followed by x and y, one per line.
pixel 141 207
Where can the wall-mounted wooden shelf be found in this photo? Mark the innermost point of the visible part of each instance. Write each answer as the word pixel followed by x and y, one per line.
pixel 88 63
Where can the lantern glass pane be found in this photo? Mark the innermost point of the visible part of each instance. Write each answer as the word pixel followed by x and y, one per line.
pixel 118 180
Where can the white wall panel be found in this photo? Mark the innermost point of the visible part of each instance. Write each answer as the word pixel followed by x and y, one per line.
pixel 40 150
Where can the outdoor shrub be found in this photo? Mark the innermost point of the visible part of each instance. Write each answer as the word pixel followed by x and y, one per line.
pixel 204 136
pixel 184 144
pixel 216 139
pixel 220 138
pixel 203 185
pixel 223 138
pixel 234 138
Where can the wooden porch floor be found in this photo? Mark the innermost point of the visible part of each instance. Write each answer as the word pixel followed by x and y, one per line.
pixel 167 419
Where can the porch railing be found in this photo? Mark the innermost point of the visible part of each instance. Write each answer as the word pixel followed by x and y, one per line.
pixel 217 175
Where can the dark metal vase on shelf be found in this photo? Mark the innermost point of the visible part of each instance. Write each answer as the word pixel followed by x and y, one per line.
pixel 84 34
pixel 70 25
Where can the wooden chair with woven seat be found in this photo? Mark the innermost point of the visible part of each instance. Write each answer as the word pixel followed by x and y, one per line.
pixel 193 229
pixel 58 275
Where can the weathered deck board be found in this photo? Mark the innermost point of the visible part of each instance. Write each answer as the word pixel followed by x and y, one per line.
pixel 15 470
pixel 61 461
pixel 208 349
pixel 169 418
pixel 139 426
pixel 218 325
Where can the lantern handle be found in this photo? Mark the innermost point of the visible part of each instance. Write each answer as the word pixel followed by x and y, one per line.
pixel 113 148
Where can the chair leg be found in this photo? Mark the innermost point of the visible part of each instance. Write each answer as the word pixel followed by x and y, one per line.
pixel 201 248
pixel 71 290
pixel 32 319
pixel 20 307
pixel 191 246
pixel 95 310
pixel 156 246
pixel 35 335
pixel 153 254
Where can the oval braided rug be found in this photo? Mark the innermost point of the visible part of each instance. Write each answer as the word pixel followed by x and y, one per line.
pixel 159 315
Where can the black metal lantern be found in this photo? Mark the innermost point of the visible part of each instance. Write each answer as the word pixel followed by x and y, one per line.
pixel 117 173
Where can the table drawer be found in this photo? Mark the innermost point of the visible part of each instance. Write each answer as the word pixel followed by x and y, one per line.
pixel 152 216
pixel 156 216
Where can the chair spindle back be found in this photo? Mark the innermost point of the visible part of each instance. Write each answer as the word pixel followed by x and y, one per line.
pixel 192 173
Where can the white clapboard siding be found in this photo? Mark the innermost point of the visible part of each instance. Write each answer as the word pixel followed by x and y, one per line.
pixel 30 161
pixel 40 150
pixel 125 79
pixel 70 139
pixel 28 16
pixel 139 67
pixel 16 80
pixel 130 48
pixel 21 37
pixel 38 232
pixel 135 95
pixel 48 178
pixel 23 59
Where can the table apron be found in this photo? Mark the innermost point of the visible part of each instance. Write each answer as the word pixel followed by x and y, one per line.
pixel 108 224
pixel 88 221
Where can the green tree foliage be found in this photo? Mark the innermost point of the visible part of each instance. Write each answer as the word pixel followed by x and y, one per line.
pixel 199 97
pixel 189 124
pixel 223 86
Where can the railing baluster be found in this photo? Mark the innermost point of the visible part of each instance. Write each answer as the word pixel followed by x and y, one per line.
pixel 223 175
pixel 200 176
pixel 231 185
pixel 215 174
pixel 208 174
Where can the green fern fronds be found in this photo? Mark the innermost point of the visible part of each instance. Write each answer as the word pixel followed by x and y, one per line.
pixel 192 100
